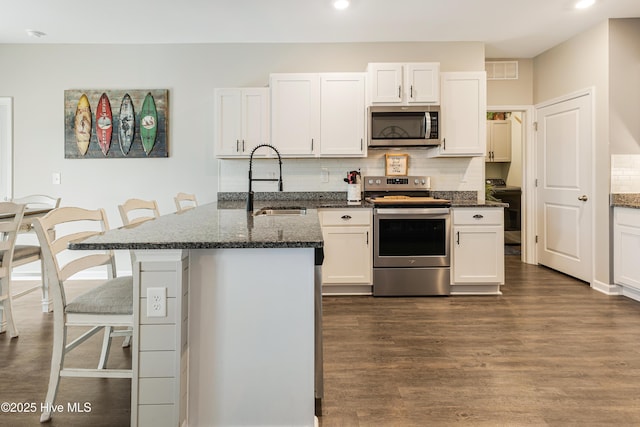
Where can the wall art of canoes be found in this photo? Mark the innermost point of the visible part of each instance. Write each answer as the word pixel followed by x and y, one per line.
pixel 116 123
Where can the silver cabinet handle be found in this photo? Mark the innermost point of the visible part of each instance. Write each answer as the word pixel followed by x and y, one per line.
pixel 237 145
pixel 478 216
pixel 399 92
pixel 583 198
pixel 346 217
pixel 361 144
pixel 411 91
pixel 243 145
pixel 458 238
pixel 311 144
pixel 367 238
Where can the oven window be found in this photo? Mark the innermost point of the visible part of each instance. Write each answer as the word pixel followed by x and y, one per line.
pixel 412 237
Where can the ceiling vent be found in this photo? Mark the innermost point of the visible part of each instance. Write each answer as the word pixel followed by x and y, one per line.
pixel 501 70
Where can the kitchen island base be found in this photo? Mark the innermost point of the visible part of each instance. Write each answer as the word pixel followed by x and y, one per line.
pixel 239 334
pixel 251 337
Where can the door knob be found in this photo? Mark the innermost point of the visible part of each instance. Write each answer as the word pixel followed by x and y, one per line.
pixel 583 198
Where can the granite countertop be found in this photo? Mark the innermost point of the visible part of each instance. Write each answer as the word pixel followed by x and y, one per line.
pixel 209 226
pixel 338 200
pixel 625 200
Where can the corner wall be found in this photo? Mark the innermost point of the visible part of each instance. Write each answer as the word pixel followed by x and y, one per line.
pixel 577 64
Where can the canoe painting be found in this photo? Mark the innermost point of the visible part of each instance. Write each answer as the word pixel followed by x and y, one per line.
pixel 104 123
pixel 127 124
pixel 123 123
pixel 82 124
pixel 148 123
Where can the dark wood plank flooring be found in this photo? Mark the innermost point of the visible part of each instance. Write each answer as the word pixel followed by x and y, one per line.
pixel 549 352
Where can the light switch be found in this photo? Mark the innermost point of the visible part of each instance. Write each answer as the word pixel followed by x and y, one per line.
pixel 156 302
pixel 55 178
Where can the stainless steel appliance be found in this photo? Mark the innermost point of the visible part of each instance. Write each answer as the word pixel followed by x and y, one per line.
pixel 412 234
pixel 402 126
pixel 318 354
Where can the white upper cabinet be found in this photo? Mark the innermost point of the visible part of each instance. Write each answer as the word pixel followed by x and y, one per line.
pixel 498 141
pixel 404 84
pixel 295 113
pixel 241 120
pixel 342 114
pixel 318 114
pixel 463 111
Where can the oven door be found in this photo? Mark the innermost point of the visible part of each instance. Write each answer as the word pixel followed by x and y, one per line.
pixel 411 237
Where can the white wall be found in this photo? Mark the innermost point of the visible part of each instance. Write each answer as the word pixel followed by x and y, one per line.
pixel 624 69
pixel 579 63
pixel 35 76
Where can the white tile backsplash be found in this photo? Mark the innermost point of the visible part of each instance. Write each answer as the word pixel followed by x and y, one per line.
pixel 625 173
pixel 447 174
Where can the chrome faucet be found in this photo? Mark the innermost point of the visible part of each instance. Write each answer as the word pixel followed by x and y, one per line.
pixel 251 179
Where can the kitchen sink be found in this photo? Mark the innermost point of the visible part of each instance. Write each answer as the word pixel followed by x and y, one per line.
pixel 271 211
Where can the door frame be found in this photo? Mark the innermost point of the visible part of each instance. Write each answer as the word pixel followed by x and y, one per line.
pixel 528 162
pixel 590 92
pixel 6 148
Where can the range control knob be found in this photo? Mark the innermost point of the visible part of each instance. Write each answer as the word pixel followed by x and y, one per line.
pixel 378 181
pixel 370 181
pixel 416 181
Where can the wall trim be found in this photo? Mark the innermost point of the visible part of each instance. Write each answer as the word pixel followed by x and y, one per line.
pixel 607 289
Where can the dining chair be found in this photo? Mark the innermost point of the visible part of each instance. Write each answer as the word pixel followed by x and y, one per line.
pixel 28 253
pixel 10 220
pixel 135 211
pixel 185 201
pixel 102 308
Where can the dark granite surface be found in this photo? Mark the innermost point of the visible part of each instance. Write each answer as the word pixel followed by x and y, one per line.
pixel 626 200
pixel 225 224
pixel 207 226
pixel 337 200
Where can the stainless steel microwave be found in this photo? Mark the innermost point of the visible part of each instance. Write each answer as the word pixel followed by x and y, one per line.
pixel 404 126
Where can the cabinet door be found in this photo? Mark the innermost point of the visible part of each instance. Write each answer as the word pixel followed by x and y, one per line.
pixel 478 254
pixel 423 83
pixel 463 110
pixel 295 113
pixel 228 122
pixel 342 114
pixel 386 83
pixel 498 141
pixel 348 255
pixel 626 235
pixel 255 118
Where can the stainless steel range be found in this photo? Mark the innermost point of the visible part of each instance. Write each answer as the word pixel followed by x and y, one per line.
pixel 412 233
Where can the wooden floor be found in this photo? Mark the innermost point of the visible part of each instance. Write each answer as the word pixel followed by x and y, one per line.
pixel 549 352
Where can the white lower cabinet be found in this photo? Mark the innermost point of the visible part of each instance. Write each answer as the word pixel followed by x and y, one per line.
pixel 477 251
pixel 348 251
pixel 626 240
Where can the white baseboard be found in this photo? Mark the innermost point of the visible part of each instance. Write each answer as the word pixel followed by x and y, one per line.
pixel 606 288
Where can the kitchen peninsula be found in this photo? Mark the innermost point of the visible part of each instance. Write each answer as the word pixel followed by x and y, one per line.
pixel 239 325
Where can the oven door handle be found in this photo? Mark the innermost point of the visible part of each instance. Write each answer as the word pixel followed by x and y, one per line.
pixel 411 211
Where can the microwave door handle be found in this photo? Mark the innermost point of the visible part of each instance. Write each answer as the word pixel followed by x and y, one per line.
pixel 427 125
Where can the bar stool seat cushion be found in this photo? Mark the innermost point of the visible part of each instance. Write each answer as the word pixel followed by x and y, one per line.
pixel 115 296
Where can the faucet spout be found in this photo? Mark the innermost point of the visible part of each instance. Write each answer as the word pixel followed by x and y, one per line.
pixel 251 178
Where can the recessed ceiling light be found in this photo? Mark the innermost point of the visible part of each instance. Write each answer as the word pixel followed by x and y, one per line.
pixel 35 33
pixel 341 4
pixel 583 4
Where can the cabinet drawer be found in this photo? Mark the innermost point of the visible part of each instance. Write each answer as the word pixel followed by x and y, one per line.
pixel 485 216
pixel 343 217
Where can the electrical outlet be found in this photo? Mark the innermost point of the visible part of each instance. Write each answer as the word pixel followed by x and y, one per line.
pixel 156 302
pixel 324 175
pixel 55 178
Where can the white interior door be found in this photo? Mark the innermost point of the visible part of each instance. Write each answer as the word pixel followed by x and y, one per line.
pixel 565 206
pixel 6 156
